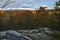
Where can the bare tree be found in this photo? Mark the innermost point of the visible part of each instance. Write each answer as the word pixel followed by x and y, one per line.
pixel 8 2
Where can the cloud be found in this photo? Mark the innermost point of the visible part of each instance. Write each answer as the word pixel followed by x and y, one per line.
pixel 29 3
pixel 1 0
pixel 17 9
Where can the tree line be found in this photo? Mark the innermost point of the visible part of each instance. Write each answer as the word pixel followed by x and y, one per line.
pixel 27 20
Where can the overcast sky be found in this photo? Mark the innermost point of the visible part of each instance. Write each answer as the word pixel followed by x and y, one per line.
pixel 29 3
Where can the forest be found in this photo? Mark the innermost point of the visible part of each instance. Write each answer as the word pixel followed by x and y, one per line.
pixel 27 19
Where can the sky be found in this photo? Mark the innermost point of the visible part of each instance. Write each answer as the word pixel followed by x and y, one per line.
pixel 33 4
